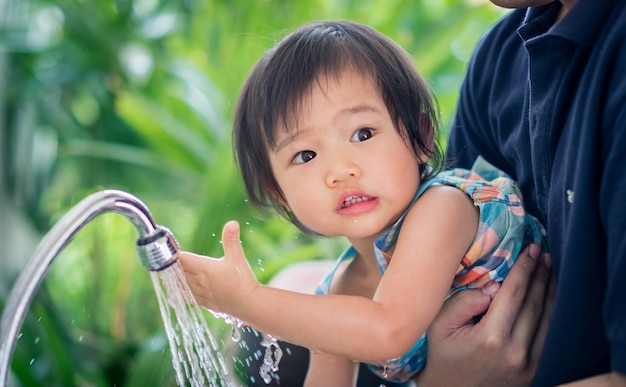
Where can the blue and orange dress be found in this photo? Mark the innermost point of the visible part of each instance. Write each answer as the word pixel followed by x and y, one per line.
pixel 504 229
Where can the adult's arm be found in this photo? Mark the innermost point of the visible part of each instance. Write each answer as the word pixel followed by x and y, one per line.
pixel 505 345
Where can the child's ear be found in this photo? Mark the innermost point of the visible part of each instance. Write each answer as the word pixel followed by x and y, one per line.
pixel 427 134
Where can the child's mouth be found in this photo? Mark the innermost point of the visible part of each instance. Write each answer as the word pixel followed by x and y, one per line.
pixel 353 199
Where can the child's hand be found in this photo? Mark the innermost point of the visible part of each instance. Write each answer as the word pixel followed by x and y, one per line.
pixel 223 284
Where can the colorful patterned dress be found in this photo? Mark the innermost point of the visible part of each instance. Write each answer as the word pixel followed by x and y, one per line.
pixel 504 229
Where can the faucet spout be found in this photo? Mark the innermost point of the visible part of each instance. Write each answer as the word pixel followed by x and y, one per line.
pixel 156 247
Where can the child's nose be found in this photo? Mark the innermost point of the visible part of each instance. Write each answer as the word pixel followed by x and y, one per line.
pixel 342 169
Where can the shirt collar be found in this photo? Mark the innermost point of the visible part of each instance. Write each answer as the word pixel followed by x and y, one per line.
pixel 581 24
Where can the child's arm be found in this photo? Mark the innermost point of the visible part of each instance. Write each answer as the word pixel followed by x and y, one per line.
pixel 435 235
pixel 330 370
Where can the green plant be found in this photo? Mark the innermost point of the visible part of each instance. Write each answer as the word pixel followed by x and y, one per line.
pixel 138 95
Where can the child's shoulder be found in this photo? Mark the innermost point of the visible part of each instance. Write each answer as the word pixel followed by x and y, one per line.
pixel 439 208
pixel 442 197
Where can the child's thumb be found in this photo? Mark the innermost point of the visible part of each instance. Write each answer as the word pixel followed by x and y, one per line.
pixel 231 241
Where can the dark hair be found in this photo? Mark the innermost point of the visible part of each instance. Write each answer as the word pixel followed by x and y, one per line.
pixel 273 93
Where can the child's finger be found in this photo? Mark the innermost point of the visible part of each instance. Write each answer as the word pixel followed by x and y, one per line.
pixel 231 241
pixel 233 250
pixel 240 278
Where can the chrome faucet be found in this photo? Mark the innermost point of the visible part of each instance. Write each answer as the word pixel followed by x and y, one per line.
pixel 156 247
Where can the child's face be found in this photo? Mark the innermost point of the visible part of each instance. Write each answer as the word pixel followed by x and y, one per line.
pixel 345 170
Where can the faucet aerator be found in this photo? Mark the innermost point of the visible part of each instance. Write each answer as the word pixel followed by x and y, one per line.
pixel 157 251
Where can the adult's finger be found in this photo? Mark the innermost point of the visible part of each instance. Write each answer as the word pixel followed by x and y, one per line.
pixel 459 311
pixel 507 304
pixel 548 305
pixel 530 316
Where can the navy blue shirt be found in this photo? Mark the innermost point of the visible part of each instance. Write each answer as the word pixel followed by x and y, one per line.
pixel 546 103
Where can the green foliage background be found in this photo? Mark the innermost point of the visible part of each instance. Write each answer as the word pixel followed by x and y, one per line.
pixel 138 95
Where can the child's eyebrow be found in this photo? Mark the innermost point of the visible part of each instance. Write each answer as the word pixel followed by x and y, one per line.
pixel 360 108
pixel 356 109
pixel 291 137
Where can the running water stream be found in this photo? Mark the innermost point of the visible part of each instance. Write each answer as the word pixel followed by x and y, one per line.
pixel 195 353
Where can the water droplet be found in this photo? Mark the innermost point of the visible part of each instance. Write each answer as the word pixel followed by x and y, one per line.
pixel 271 359
pixel 235 335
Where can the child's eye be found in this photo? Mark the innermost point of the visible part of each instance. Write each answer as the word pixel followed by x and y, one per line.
pixel 303 157
pixel 362 135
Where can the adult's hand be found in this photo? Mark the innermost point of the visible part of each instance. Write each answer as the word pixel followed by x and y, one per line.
pixel 505 345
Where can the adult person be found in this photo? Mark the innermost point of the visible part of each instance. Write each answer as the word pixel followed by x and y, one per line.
pixel 544 100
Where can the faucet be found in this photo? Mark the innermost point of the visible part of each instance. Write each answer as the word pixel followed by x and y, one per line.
pixel 156 247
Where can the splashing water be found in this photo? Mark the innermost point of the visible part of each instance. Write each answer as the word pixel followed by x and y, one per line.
pixel 234 322
pixel 273 354
pixel 195 354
